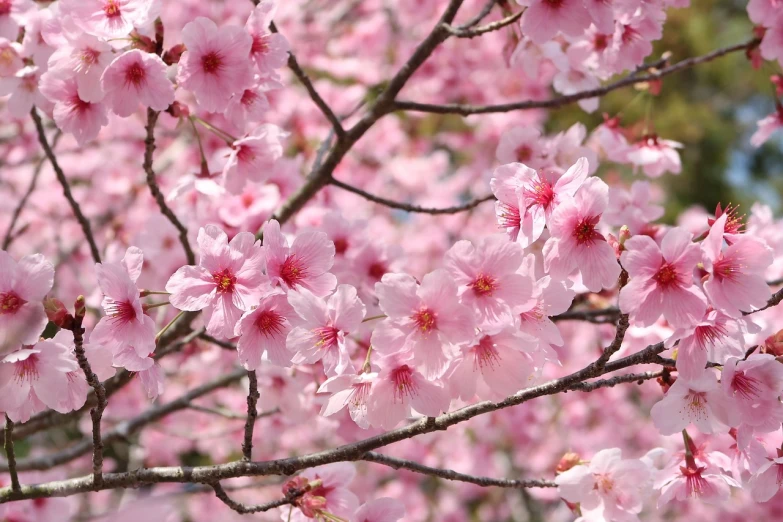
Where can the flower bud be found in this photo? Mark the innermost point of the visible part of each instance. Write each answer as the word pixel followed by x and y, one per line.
pixel 173 55
pixel 141 42
pixel 178 110
pixel 567 461
pixel 79 307
pixel 56 312
pixel 311 505
pixel 774 344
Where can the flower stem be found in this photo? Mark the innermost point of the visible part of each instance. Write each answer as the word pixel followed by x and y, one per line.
pixel 160 334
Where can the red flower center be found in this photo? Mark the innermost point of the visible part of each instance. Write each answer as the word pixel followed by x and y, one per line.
pixel 508 216
pixel 340 245
pixel 89 56
pixel 666 275
pixel 10 302
pixel 260 45
pixel 249 98
pixel 725 269
pixel 695 484
pixel 211 62
pixel 747 387
pixel 376 270
pixel 292 271
pixel 270 323
pixel 402 378
pixel 135 74
pixel 327 337
pixel 27 370
pixel 121 311
pixel 554 4
pixel 540 193
pixel 425 320
pixel 584 231
pixel 225 281
pixel 600 42
pixel 5 7
pixel 112 9
pixel 484 285
pixel 485 354
pixel 524 153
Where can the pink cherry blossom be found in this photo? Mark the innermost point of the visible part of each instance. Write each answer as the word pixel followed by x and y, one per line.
pixel 10 59
pixel 379 510
pixel 125 323
pixel 755 385
pixel 216 65
pixel 72 114
pixel 34 377
pixel 736 281
pixel 487 278
pixel 303 264
pixel 700 402
pixel 263 330
pixel 715 337
pixel 400 387
pixel 331 496
pixel 655 156
pixel 269 50
pixel 576 245
pixel 110 18
pixel 350 390
pixel 12 14
pixel 766 482
pixel 252 157
pixel 610 482
pixel 539 193
pixel 772 44
pixel 522 145
pixel 494 366
pixel 428 318
pixel 23 88
pixel 544 18
pixel 661 279
pixel 252 104
pixel 227 281
pixel 320 331
pixel 134 78
pixel 633 208
pixel 688 480
pixel 23 285
pixel 766 127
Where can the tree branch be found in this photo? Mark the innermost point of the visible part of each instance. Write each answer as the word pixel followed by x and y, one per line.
pixel 488 28
pixel 560 101
pixel 602 316
pixel 448 474
pixel 77 211
pixel 327 111
pixel 8 436
pixel 412 208
pixel 245 509
pixel 252 413
pixel 9 234
pixel 149 149
pixel 638 378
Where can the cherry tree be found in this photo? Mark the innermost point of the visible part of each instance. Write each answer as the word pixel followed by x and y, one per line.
pixel 323 261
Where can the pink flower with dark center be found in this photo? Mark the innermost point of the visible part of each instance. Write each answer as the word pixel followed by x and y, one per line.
pixel 34 377
pixel 136 78
pixel 216 65
pixel 252 104
pixel 398 388
pixel 505 185
pixel 125 323
pixel 252 157
pixel 543 19
pixel 72 113
pixel 351 390
pixel 426 320
pixel 487 278
pixel 690 480
pixel 699 401
pixel 655 156
pixel 23 285
pixel 754 385
pixel 329 500
pixel 661 280
pixel 12 15
pixel 10 59
pixel 766 482
pixel 304 264
pixel 736 283
pixel 23 88
pixel 522 145
pixel 495 366
pixel 321 328
pixel 110 18
pixel 227 282
pixel 576 244
pixel 269 50
pixel 716 337
pixel 262 332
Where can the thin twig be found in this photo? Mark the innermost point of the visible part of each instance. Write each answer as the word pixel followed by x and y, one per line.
pixel 638 378
pixel 9 234
pixel 77 211
pixel 480 16
pixel 8 435
pixel 560 101
pixel 96 413
pixel 327 111
pixel 408 207
pixel 252 508
pixel 252 413
pixel 152 182
pixel 488 28
pixel 449 474
pixel 602 316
